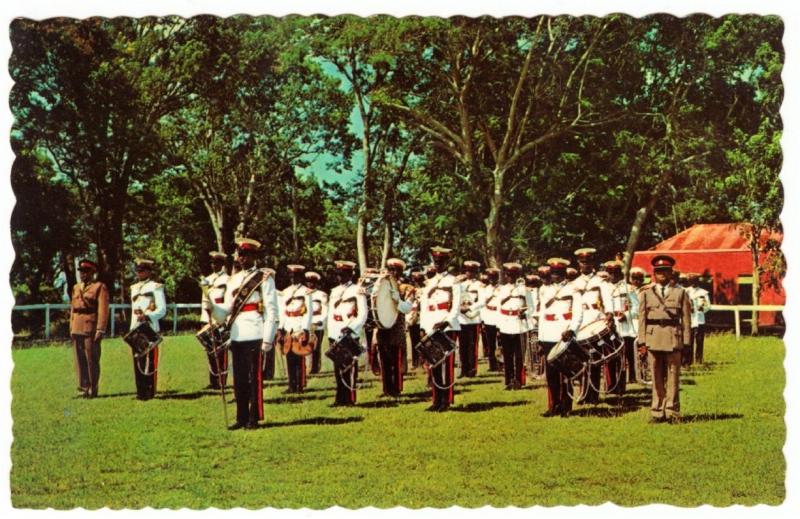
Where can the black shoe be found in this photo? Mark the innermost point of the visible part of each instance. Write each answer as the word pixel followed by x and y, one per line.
pixel 656 419
pixel 237 425
pixel 674 420
pixel 433 408
pixel 443 408
pixel 549 413
pixel 251 425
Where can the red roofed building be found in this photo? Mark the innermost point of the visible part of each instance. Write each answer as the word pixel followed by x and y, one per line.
pixel 720 252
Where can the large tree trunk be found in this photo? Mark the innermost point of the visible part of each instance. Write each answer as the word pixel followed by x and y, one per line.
pixel 361 240
pixel 387 242
pixel 492 222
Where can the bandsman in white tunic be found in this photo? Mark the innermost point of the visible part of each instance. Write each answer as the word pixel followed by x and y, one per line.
pixel 440 308
pixel 472 301
pixel 560 315
pixel 346 316
pixel 214 286
pixel 596 299
pixel 532 353
pixel 295 322
pixel 412 317
pixel 390 342
pixel 701 302
pixel 319 314
pixel 514 302
pixel 625 307
pixel 148 305
pixel 636 276
pixel 252 331
pixel 489 318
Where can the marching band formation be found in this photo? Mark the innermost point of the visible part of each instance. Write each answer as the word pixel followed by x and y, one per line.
pixel 587 331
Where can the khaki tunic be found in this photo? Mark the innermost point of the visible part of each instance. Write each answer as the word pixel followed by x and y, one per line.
pixel 664 324
pixel 88 308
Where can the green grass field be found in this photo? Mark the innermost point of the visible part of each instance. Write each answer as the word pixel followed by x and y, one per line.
pixel 493 448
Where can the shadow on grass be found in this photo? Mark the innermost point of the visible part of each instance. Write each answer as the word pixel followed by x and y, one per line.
pixel 112 395
pixel 711 417
pixel 317 420
pixel 395 402
pixel 194 395
pixel 604 412
pixel 477 407
pixel 688 382
pixel 297 397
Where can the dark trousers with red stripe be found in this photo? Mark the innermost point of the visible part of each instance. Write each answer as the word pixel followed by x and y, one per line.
pixel 630 358
pixel 591 383
pixel 443 375
pixel 414 335
pixel 296 367
pixel 247 381
pixel 512 358
pixel 316 355
pixel 468 349
pixel 268 365
pixel 87 363
pixel 612 370
pixel 145 370
pixel 217 368
pixel 391 350
pixel 559 388
pixel 346 385
pixel 490 345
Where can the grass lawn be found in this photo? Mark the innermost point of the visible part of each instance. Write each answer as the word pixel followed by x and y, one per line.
pixel 493 448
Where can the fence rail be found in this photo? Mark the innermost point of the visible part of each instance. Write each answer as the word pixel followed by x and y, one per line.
pixel 48 307
pixel 738 309
pixel 112 318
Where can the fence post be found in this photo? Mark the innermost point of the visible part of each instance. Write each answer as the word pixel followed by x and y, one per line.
pixel 738 325
pixel 174 319
pixel 47 321
pixel 113 319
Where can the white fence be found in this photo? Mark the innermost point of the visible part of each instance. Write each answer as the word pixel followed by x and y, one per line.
pixel 736 309
pixel 47 307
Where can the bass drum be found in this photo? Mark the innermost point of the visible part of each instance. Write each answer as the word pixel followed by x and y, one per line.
pixel 382 306
pixel 599 341
pixel 568 358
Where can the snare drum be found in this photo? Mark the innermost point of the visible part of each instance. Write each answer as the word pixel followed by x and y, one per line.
pixel 142 339
pixel 569 358
pixel 382 306
pixel 435 348
pixel 344 352
pixel 599 340
pixel 213 337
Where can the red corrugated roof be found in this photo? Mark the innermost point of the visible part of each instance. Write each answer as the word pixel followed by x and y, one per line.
pixel 709 236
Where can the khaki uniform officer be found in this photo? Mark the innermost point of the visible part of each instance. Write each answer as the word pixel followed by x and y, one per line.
pixel 252 331
pixel 87 324
pixel 216 283
pixel 319 314
pixel 665 317
pixel 347 316
pixel 441 302
pixel 560 315
pixel 513 305
pixel 296 320
pixel 472 301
